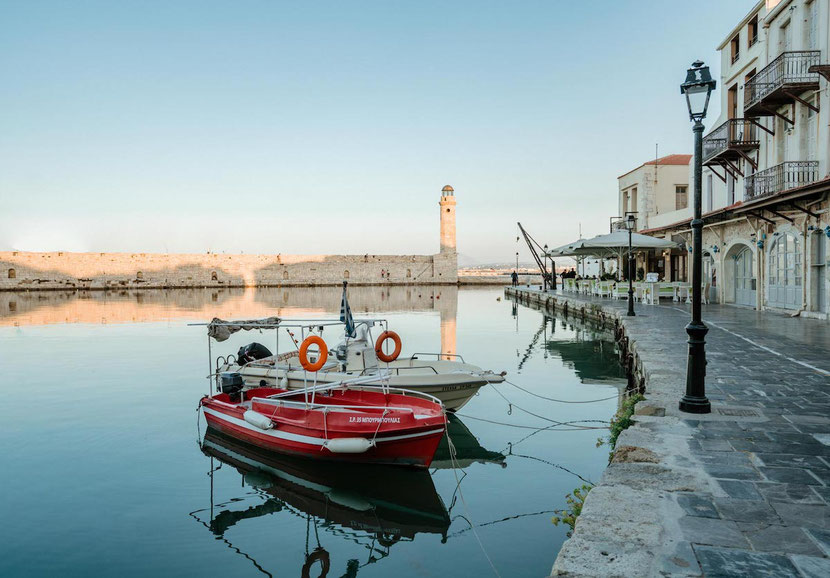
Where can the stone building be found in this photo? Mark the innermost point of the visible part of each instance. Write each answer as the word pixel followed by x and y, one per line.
pixel 766 174
pixel 64 270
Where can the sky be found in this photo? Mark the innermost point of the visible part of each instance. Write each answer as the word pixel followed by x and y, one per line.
pixel 331 127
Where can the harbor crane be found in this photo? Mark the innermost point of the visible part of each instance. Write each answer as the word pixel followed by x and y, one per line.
pixel 548 278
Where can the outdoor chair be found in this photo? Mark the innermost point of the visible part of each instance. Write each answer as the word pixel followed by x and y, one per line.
pixel 620 291
pixel 666 291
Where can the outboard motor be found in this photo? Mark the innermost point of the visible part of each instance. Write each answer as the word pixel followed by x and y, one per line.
pixel 232 384
pixel 251 352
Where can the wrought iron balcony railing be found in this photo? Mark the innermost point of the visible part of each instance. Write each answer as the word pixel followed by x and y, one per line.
pixel 735 134
pixel 780 178
pixel 790 70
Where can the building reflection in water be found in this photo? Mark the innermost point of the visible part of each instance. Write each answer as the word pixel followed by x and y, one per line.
pixel 149 305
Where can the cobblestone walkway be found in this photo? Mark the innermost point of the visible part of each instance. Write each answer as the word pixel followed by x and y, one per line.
pixel 744 491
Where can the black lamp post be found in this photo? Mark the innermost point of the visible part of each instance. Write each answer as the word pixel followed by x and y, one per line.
pixel 545 274
pixel 630 224
pixel 697 88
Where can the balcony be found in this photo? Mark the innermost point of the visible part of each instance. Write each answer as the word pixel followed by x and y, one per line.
pixel 780 178
pixel 780 82
pixel 731 141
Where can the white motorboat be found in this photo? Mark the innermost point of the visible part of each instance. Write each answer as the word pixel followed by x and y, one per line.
pixel 445 376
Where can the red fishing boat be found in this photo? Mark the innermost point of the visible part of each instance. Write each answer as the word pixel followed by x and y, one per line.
pixel 332 422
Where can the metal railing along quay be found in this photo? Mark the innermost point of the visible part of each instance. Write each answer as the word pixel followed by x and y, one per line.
pixel 779 178
pixel 735 133
pixel 790 70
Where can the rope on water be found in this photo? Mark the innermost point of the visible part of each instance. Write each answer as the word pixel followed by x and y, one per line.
pixel 455 468
pixel 560 400
pixel 537 428
pixel 540 416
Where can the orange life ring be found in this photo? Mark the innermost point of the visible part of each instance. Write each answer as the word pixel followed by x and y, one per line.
pixel 321 360
pixel 379 346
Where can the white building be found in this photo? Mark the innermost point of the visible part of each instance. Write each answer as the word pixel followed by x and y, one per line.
pixel 766 163
pixel 658 192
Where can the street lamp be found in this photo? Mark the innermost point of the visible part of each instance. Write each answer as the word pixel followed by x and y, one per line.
pixel 697 88
pixel 630 224
pixel 545 274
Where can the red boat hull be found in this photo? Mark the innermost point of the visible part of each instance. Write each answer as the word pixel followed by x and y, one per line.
pixel 395 437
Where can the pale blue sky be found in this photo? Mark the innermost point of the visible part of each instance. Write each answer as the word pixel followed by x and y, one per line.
pixel 330 127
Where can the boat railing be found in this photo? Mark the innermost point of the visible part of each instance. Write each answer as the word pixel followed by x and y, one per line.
pixel 397 370
pixel 438 356
pixel 362 382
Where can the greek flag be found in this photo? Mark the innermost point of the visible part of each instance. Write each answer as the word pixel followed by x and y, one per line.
pixel 346 314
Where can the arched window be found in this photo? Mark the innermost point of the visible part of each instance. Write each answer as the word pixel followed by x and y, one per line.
pixel 346 274
pixel 409 273
pixel 214 276
pixel 139 275
pixel 12 274
pixel 285 274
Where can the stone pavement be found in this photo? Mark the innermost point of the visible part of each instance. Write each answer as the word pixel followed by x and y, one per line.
pixel 743 491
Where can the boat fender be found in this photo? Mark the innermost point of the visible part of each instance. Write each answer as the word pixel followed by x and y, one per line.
pixel 348 445
pixel 258 420
pixel 284 383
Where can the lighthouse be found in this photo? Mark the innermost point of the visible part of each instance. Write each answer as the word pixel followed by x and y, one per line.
pixel 447 204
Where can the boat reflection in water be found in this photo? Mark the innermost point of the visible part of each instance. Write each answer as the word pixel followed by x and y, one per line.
pixel 384 504
pixel 468 450
pixel 375 506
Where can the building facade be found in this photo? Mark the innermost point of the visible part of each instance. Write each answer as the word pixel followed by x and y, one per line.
pixel 24 271
pixel 766 163
pixel 658 192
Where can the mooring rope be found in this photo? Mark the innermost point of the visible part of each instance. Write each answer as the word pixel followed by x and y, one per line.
pixel 520 408
pixel 560 400
pixel 455 467
pixel 538 428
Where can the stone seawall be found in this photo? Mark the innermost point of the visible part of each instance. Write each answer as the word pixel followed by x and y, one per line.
pixel 22 271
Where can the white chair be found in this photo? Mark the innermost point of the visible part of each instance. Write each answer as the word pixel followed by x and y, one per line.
pixel 665 291
pixel 620 290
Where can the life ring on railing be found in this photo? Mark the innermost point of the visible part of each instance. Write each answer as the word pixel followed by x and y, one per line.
pixel 379 346
pixel 320 555
pixel 321 359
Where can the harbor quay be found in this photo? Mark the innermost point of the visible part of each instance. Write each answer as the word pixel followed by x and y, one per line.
pixel 741 491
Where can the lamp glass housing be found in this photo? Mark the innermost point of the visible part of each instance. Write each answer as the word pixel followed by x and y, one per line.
pixel 630 222
pixel 698 88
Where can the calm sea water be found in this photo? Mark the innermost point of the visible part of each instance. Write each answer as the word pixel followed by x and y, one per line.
pixel 105 470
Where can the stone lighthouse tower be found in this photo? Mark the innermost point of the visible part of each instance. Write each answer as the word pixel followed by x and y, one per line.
pixel 447 205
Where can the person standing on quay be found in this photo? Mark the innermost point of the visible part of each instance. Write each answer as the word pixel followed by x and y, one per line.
pixel 515 278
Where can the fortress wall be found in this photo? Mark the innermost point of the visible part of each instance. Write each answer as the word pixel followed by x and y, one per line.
pixel 64 270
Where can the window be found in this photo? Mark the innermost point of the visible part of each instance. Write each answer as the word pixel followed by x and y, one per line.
pixel 732 101
pixel 346 274
pixel 812 25
pixel 751 133
pixel 735 47
pixel 730 190
pixel 139 275
pixel 681 197
pixel 285 274
pixel 709 206
pixel 12 274
pixel 784 37
pixel 408 273
pixel 752 31
pixel 214 276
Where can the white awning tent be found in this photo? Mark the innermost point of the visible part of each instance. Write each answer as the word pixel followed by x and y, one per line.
pixel 611 245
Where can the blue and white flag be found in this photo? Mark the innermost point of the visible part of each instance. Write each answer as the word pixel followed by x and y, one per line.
pixel 346 314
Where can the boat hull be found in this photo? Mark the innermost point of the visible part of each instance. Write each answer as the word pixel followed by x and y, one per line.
pixel 388 442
